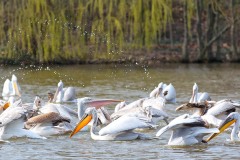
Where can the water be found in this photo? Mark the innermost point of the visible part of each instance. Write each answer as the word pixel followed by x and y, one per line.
pixel 127 82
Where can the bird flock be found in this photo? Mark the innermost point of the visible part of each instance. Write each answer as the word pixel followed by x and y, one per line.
pixel 206 118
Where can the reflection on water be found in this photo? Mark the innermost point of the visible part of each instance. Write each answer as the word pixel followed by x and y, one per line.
pixel 128 82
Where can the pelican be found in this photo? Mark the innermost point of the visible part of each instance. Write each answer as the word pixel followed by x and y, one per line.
pixel 158 90
pixel 198 97
pixel 64 94
pixel 63 111
pixel 232 118
pixel 12 123
pixel 156 102
pixel 137 108
pixel 48 124
pixel 11 88
pixel 134 104
pixel 119 130
pixel 187 130
pixel 163 90
pixel 86 102
pixel 169 93
pixel 220 109
pixel 152 113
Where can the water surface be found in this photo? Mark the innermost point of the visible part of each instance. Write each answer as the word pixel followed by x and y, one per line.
pixel 127 82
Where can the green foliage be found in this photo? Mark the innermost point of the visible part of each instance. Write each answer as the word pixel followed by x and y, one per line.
pixel 58 30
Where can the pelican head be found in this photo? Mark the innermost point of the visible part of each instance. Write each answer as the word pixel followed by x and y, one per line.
pixel 89 114
pixel 231 118
pixel 195 87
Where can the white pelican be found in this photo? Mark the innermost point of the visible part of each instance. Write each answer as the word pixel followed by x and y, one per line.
pixel 150 112
pixel 12 123
pixel 198 97
pixel 43 117
pixel 134 104
pixel 48 124
pixel 158 91
pixel 86 102
pixel 119 130
pixel 136 108
pixel 64 94
pixel 187 130
pixel 220 109
pixel 11 88
pixel 169 93
pixel 233 117
pixel 156 102
pixel 163 90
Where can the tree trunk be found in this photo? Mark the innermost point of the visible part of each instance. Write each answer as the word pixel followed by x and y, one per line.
pixel 210 29
pixel 200 42
pixel 185 54
pixel 235 56
pixel 5 19
pixel 216 28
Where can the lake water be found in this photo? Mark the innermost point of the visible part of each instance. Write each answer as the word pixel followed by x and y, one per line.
pixel 127 82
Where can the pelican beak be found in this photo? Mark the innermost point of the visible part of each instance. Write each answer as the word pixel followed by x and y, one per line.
pixel 55 95
pixel 228 122
pixel 82 123
pixel 6 105
pixel 15 86
pixel 102 102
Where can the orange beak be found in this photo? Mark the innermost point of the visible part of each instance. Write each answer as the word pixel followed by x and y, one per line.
pixel 82 123
pixel 228 122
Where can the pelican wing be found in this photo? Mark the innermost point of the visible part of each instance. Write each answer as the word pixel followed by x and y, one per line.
pixel 157 113
pixel 135 104
pixel 122 112
pixel 125 123
pixel 183 121
pixel 45 118
pixel 203 96
pixel 50 107
pixel 67 112
pixel 11 114
pixel 69 94
pixel 220 107
pixel 157 103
